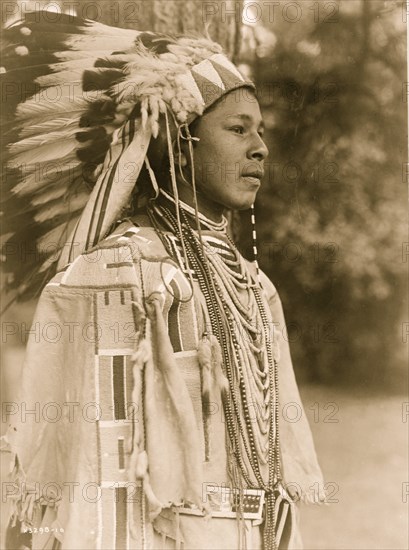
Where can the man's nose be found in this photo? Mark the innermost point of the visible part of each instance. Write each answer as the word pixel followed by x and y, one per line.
pixel 259 150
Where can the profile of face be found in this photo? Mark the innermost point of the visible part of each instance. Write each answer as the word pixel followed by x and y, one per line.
pixel 229 156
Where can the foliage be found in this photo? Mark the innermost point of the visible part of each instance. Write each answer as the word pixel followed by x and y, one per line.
pixel 331 93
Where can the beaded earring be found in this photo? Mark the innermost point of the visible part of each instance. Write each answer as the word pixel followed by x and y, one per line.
pixel 254 237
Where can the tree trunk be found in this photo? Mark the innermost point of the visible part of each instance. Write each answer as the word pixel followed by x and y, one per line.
pixel 221 19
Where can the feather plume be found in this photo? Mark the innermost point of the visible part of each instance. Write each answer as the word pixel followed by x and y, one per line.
pixel 75 204
pixel 114 61
pixel 41 139
pixel 49 262
pixel 52 238
pixel 45 152
pixel 40 105
pixel 82 62
pixel 36 176
pixel 79 56
pixel 49 126
pixel 62 78
pixel 100 79
pixel 98 42
pixel 50 194
pixel 51 244
pixel 94 27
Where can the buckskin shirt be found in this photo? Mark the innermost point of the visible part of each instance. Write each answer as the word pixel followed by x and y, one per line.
pixel 121 451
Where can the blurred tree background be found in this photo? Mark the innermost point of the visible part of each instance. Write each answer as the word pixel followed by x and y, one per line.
pixel 331 216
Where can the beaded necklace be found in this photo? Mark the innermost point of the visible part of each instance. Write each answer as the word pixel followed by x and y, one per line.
pixel 248 360
pixel 204 220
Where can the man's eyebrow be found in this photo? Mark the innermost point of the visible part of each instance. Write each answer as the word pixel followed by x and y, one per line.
pixel 246 117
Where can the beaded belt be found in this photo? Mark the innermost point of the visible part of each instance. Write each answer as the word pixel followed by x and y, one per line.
pixel 227 503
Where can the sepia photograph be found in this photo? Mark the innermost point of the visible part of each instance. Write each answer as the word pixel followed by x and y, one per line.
pixel 204 275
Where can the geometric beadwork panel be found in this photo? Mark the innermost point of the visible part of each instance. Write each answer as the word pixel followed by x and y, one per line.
pixel 115 381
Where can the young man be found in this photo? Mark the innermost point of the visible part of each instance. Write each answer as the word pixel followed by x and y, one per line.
pixel 160 383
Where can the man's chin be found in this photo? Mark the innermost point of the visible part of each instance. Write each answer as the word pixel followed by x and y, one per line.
pixel 244 204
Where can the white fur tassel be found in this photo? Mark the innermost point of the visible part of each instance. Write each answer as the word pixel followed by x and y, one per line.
pixel 204 355
pixel 218 374
pixel 210 359
pixel 139 462
pixel 141 465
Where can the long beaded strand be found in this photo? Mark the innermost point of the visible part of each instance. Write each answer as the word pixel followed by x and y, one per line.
pixel 212 292
pixel 254 237
pixel 247 417
pixel 206 284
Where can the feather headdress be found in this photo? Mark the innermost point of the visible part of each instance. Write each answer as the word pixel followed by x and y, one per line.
pixel 83 100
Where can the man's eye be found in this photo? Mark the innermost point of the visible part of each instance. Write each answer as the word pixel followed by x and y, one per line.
pixel 238 129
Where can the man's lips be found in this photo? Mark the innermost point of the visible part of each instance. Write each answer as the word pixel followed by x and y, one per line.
pixel 257 174
pixel 254 177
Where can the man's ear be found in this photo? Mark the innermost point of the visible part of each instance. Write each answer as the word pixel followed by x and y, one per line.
pixel 180 157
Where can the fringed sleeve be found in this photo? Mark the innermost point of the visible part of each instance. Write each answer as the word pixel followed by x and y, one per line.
pixel 47 420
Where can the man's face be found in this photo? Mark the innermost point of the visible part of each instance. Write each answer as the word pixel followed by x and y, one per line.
pixel 229 157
